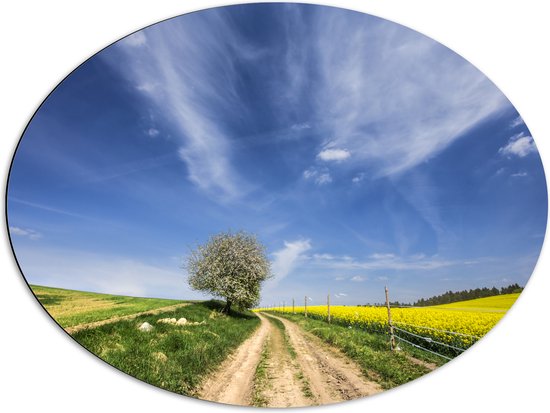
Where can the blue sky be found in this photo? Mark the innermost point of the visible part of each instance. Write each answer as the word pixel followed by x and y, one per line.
pixel 361 153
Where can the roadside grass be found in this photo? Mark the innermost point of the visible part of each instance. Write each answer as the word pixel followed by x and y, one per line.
pixel 173 357
pixel 371 351
pixel 261 379
pixel 305 387
pixel 71 307
pixel 281 327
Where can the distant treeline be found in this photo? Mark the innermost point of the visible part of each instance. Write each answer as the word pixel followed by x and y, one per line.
pixel 452 297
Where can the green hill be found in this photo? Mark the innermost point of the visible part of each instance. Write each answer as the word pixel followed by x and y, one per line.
pixel 71 307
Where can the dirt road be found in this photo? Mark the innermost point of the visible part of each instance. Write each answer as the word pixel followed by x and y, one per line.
pixel 284 366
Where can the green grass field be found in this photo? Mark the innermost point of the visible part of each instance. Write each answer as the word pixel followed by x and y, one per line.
pixel 175 358
pixel 495 304
pixel 70 307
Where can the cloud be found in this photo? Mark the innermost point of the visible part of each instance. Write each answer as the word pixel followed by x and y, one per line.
pixel 379 256
pixel 519 174
pixel 358 178
pixel 516 122
pixel 310 173
pixel 286 259
pixel 334 155
pixel 29 233
pixel 358 278
pixel 152 132
pixel 51 209
pixel 382 262
pixel 75 269
pixel 319 176
pixel 339 295
pixel 339 278
pixel 519 145
pixel 189 73
pixel 324 178
pixel 324 256
pixel 147 87
pixel 390 96
pixel 135 40
pixel 300 126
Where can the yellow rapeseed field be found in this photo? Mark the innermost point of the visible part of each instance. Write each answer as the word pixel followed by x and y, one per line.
pixel 452 327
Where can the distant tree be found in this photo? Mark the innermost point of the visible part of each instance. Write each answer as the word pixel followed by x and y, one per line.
pixel 513 288
pixel 231 266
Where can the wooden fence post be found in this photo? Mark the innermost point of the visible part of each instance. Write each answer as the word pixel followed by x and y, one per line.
pixel 392 337
pixel 305 306
pixel 328 308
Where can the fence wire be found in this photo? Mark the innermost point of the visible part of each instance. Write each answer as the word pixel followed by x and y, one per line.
pixel 435 329
pixel 420 347
pixel 429 339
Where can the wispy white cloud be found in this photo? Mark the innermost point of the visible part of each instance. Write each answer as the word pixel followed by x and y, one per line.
pixel 517 122
pixel 152 132
pixel 147 87
pixel 324 256
pixel 102 273
pixel 519 145
pixel 318 176
pixel 334 155
pixel 188 71
pixel 339 295
pixel 25 232
pixel 358 278
pixel 310 173
pixel 136 39
pixel 286 259
pixel 382 256
pixel 323 178
pixel 390 96
pixel 358 178
pixel 300 126
pixel 383 262
pixel 519 174
pixel 50 208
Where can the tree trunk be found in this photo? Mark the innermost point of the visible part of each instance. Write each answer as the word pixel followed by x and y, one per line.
pixel 227 307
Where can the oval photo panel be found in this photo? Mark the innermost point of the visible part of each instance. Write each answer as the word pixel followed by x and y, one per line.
pixel 276 205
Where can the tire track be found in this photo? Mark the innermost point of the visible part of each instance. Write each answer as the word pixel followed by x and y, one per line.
pixel 232 382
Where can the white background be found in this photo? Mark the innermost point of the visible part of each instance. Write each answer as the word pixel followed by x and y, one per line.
pixel 42 368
